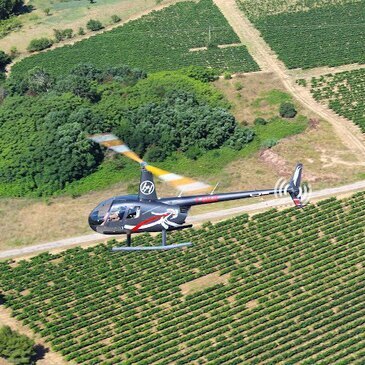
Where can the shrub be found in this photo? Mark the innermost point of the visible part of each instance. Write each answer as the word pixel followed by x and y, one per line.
pixel 193 152
pixel 200 73
pixel 60 35
pixel 287 110
pixel 94 25
pixel 155 153
pixel 260 121
pixel 269 143
pixel 14 347
pixel 115 18
pixel 39 44
pixel 81 31
pixel 227 75
pixel 238 86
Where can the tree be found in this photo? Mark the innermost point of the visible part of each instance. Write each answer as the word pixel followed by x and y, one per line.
pixel 39 44
pixel 16 348
pixel 4 59
pixel 39 80
pixel 94 25
pixel 9 7
pixel 287 110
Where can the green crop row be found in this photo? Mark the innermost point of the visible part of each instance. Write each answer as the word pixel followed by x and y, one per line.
pixel 293 293
pixel 159 41
pixel 344 93
pixel 330 35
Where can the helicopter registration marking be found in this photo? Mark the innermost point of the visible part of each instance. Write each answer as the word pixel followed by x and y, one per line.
pixel 207 199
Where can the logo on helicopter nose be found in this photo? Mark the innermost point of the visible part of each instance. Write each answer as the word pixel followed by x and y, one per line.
pixel 147 187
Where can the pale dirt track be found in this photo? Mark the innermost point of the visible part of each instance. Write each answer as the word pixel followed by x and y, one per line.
pixel 200 218
pixel 268 62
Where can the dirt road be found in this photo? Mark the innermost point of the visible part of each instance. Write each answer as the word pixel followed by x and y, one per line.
pixel 268 61
pixel 200 218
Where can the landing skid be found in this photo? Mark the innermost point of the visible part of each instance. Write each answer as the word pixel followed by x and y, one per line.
pixel 163 247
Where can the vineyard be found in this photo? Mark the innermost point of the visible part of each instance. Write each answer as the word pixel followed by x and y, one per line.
pixel 158 41
pixel 330 35
pixel 344 92
pixel 281 287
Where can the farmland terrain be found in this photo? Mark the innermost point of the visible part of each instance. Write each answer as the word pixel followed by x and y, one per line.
pixel 72 14
pixel 281 286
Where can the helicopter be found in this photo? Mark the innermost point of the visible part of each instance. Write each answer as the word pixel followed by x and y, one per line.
pixel 146 212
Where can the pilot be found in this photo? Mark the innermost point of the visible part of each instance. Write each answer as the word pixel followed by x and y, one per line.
pixel 114 216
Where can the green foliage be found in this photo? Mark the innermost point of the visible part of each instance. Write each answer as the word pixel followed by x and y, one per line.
pixel 179 122
pixel 193 152
pixel 321 36
pixel 81 31
pixel 301 288
pixel 16 348
pixel 155 116
pixel 287 110
pixel 260 121
pixel 344 92
pixel 302 82
pixel 8 25
pixel 61 35
pixel 9 7
pixel 227 75
pixel 4 60
pixel 39 44
pixel 269 143
pixel 144 43
pixel 202 74
pixel 94 25
pixel 115 18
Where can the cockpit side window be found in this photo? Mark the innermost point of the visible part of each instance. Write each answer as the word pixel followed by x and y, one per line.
pixel 116 212
pixel 133 212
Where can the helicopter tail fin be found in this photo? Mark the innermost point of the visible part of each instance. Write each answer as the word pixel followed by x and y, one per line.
pixel 294 185
pixel 147 189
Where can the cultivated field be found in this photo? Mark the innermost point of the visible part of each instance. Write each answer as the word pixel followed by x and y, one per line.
pixel 344 93
pixel 71 14
pixel 280 287
pixel 162 40
pixel 322 34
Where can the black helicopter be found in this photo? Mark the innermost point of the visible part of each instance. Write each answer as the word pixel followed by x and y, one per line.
pixel 145 212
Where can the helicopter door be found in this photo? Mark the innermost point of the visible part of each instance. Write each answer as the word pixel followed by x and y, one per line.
pixel 115 215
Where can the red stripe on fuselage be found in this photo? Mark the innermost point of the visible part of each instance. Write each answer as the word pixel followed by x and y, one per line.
pixel 148 220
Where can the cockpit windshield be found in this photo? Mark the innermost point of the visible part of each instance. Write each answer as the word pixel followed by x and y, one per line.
pixel 117 211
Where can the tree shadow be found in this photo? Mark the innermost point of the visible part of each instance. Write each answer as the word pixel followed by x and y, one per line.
pixel 2 299
pixel 40 352
pixel 24 9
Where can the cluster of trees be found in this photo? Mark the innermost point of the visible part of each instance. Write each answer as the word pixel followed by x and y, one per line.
pixel 16 348
pixel 45 121
pixel 9 7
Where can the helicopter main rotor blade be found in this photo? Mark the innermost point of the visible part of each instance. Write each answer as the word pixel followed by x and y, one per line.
pixel 181 183
pixel 114 143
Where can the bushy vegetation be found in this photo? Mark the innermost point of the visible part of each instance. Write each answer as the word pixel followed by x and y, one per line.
pixel 16 348
pixel 8 25
pixel 144 43
pixel 39 44
pixel 291 295
pixel 94 25
pixel 287 110
pixel 344 93
pixel 318 35
pixel 45 121
pixel 9 8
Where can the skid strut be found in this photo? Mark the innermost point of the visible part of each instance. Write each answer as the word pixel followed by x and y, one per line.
pixel 163 246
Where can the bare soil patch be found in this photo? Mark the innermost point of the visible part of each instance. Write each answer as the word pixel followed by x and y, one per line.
pixel 203 283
